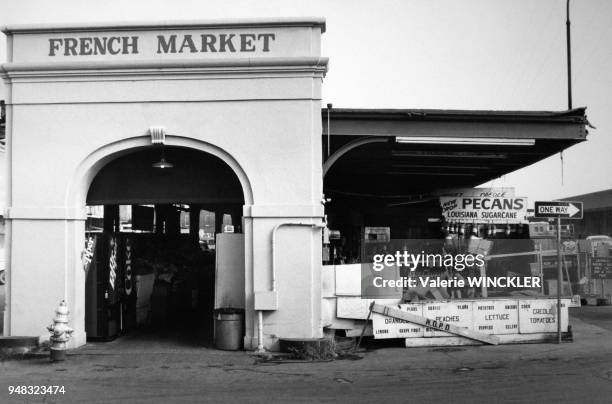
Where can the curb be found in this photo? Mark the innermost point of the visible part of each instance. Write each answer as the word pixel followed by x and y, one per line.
pixel 315 348
pixel 16 346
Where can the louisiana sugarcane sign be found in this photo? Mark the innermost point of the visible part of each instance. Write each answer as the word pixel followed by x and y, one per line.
pixel 507 210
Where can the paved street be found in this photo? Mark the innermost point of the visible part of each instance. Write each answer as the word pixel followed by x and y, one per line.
pixel 600 316
pixel 138 370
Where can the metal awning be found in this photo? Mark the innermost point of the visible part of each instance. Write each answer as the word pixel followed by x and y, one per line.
pixel 401 154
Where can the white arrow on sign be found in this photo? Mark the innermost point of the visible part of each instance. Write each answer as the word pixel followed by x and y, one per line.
pixel 573 209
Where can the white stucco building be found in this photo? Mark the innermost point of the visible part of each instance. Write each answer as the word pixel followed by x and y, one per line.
pixel 80 96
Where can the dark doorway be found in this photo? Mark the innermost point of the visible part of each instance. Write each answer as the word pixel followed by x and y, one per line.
pixel 151 242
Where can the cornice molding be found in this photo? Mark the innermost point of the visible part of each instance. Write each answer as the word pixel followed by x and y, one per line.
pixel 312 65
pixel 166 25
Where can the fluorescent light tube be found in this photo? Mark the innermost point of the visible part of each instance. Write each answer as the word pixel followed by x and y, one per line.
pixel 466 140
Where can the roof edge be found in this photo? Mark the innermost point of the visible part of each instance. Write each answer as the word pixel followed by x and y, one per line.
pixel 178 24
pixel 576 115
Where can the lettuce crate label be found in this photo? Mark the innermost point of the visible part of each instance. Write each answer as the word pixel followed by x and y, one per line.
pixel 496 316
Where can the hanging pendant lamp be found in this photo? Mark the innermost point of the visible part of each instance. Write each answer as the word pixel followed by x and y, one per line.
pixel 162 163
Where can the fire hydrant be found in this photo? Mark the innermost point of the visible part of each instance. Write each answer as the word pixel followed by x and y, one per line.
pixel 60 332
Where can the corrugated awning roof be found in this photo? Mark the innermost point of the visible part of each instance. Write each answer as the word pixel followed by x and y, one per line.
pixel 576 115
pixel 430 122
pixel 389 153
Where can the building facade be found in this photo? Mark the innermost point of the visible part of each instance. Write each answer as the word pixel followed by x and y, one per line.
pixel 236 107
pixel 82 96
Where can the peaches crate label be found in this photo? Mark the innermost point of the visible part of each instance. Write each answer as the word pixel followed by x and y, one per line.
pixel 496 316
pixel 540 315
pixel 390 327
pixel 456 313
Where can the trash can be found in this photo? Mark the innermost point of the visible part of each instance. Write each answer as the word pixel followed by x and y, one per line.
pixel 229 329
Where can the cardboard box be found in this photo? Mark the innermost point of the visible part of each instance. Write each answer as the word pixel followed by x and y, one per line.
pixel 389 327
pixel 458 313
pixel 496 316
pixel 540 315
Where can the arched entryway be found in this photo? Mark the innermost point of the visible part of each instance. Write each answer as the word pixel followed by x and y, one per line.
pixel 165 244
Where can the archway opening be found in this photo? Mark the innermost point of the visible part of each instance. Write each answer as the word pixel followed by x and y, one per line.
pixel 165 245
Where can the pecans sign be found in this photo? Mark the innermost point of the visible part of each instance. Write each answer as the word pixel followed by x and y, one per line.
pixel 505 210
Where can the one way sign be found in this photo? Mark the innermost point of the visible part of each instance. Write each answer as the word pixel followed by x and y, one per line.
pixel 563 209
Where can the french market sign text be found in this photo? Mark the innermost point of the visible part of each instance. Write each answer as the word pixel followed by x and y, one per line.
pixel 165 44
pixel 484 210
pixel 244 40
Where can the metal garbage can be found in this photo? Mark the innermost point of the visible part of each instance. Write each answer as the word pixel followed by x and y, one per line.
pixel 229 329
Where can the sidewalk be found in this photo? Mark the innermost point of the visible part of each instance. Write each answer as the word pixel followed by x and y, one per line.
pixel 137 371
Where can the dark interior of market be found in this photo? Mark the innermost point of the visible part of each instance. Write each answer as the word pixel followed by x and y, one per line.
pixel 154 240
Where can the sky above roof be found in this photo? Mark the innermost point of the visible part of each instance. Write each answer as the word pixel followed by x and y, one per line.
pixel 441 54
